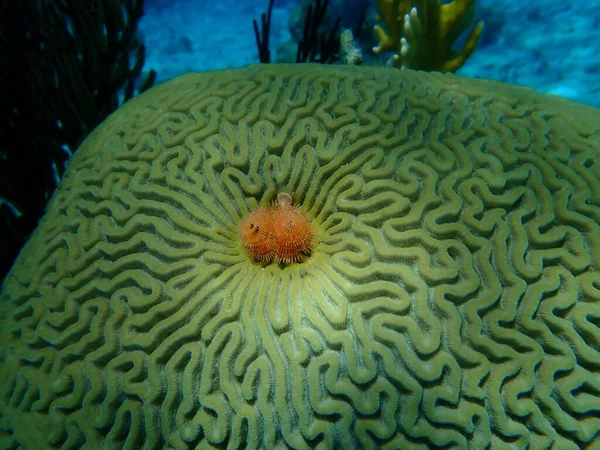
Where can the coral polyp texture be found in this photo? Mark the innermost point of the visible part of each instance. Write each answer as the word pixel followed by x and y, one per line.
pixel 451 300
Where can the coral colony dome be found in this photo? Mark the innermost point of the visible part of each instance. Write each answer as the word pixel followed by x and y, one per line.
pixel 310 256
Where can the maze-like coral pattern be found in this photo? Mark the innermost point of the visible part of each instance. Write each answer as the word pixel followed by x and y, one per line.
pixel 452 299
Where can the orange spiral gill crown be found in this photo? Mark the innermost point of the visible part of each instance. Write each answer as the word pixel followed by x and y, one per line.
pixel 256 236
pixel 292 235
pixel 281 232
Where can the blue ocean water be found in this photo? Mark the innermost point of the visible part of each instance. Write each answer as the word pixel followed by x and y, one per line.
pixel 550 45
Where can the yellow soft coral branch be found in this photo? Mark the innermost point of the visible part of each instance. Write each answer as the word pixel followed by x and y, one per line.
pixel 423 33
pixel 392 12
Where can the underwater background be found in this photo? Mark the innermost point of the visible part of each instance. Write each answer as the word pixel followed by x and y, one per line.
pixel 550 45
pixel 214 253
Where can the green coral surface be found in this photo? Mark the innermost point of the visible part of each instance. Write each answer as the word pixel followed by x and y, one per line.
pixel 452 299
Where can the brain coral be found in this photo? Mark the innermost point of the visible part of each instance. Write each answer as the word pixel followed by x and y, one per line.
pixel 451 299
